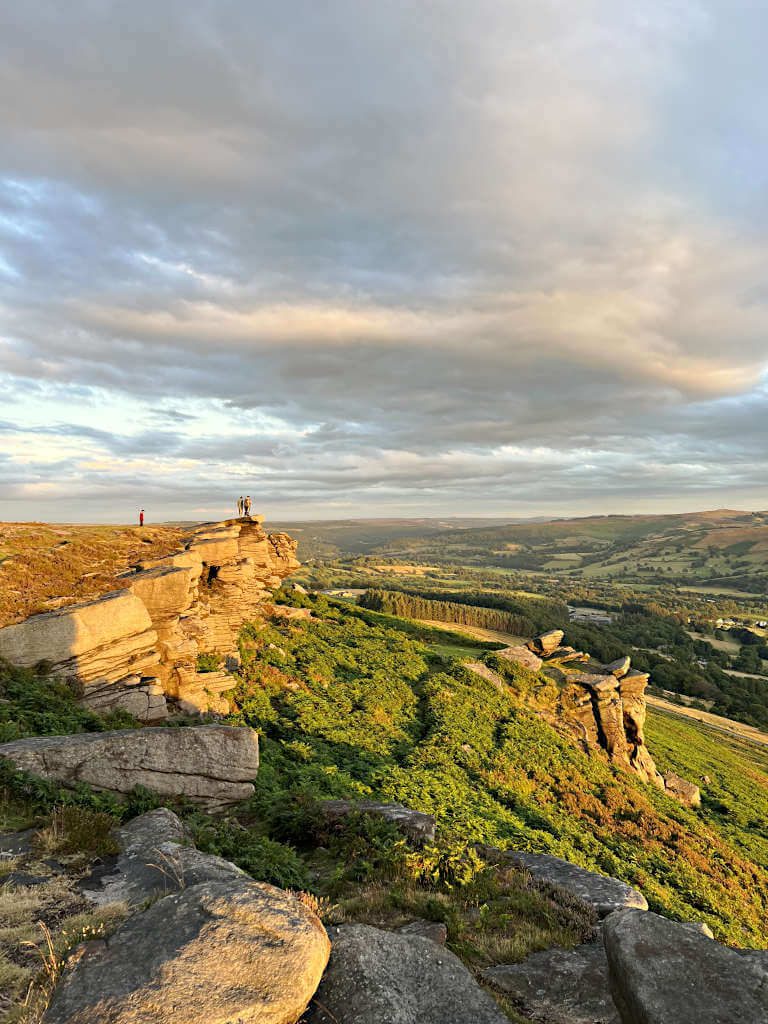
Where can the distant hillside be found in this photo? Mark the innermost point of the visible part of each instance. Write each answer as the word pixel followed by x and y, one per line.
pixel 339 537
pixel 724 549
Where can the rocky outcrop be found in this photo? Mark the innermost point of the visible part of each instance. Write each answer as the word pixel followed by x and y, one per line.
pixel 546 643
pixel 375 976
pixel 603 893
pixel 419 827
pixel 219 951
pixel 661 971
pixel 607 709
pixel 211 765
pixel 136 648
pixel 559 986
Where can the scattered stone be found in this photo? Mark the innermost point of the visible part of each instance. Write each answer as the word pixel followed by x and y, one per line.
pixel 211 765
pixel 522 656
pixel 560 986
pixel 227 951
pixel 663 972
pixel 419 827
pixel 435 931
pixel 706 780
pixel 378 977
pixel 602 892
pixel 686 792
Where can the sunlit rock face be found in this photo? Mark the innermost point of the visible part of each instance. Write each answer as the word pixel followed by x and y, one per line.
pixel 136 648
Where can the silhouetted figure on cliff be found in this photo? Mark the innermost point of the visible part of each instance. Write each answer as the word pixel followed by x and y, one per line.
pixel 248 505
pixel 141 518
pixel 240 506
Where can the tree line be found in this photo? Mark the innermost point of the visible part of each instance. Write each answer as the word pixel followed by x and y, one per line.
pixel 412 606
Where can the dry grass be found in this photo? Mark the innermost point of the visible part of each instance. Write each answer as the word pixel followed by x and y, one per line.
pixel 39 929
pixel 41 564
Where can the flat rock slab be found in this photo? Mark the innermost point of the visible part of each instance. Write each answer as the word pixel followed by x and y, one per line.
pixel 234 952
pixel 560 986
pixel 378 977
pixel 521 656
pixel 665 973
pixel 416 825
pixel 209 764
pixel 604 893
pixel 155 859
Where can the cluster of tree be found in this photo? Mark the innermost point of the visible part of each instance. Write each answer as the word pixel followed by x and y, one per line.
pixel 410 606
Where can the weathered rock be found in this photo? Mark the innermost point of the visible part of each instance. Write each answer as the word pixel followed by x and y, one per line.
pixel 686 792
pixel 548 642
pixel 155 859
pixel 220 952
pixel 486 673
pixel 435 931
pixel 618 668
pixel 416 825
pixel 522 656
pixel 211 765
pixel 133 648
pixel 662 972
pixel 95 644
pixel 378 977
pixel 560 986
pixel 604 893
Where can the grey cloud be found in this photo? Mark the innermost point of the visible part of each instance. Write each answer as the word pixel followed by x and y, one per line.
pixel 402 237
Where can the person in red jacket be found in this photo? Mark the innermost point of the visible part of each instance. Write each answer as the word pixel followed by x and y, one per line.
pixel 141 518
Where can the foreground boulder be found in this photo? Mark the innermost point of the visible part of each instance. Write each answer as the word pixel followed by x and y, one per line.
pixel 419 827
pixel 378 977
pixel 547 643
pixel 560 986
pixel 602 892
pixel 662 972
pixel 155 859
pixel 211 765
pixel 686 792
pixel 219 952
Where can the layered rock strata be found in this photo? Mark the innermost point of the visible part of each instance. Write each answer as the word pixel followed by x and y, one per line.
pixel 136 648
pixel 603 706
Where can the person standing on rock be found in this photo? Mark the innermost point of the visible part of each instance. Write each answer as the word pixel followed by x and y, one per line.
pixel 141 518
pixel 248 505
pixel 240 507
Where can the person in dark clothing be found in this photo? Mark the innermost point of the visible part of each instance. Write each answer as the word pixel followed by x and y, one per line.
pixel 248 504
pixel 240 506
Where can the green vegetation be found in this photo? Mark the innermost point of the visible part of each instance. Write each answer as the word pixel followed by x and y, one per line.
pixel 348 709
pixel 34 705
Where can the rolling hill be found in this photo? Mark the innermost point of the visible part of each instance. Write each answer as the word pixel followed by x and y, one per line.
pixel 723 549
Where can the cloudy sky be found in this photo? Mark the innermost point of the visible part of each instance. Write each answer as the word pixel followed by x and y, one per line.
pixel 401 258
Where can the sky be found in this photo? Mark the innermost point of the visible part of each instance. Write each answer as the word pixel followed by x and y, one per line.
pixel 356 259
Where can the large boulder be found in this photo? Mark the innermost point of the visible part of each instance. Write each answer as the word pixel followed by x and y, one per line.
pixel 212 764
pixel 686 792
pixel 378 977
pixel 419 827
pixel 547 643
pixel 663 972
pixel 602 892
pixel 521 656
pixel 155 859
pixel 219 952
pixel 559 986
pixel 95 643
